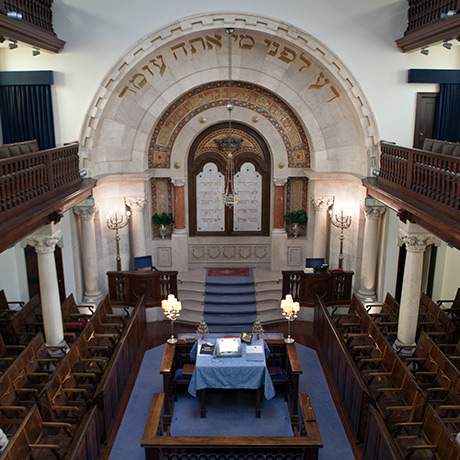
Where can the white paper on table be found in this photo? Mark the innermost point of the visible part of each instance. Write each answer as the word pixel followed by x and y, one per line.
pixel 254 349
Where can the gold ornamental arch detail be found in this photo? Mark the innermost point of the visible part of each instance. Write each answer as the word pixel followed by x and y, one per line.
pixel 253 97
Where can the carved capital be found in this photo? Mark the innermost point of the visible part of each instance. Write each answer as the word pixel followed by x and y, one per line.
pixel 374 212
pixel 44 244
pixel 280 181
pixel 415 243
pixel 322 202
pixel 136 204
pixel 178 181
pixel 86 213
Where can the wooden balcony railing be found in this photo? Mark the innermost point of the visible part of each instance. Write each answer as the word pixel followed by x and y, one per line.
pixel 430 177
pixel 35 12
pixel 426 12
pixel 31 179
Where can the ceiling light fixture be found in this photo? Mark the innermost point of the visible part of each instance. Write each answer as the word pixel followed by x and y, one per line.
pixel 425 51
pixel 447 45
pixel 12 45
pixel 14 15
pixel 35 52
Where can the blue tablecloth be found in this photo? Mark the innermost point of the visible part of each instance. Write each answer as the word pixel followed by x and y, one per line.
pixel 231 373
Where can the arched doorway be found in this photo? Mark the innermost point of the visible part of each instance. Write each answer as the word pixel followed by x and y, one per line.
pixel 206 180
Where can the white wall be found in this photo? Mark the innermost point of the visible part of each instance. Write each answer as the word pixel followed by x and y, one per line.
pixel 360 32
pixel 447 274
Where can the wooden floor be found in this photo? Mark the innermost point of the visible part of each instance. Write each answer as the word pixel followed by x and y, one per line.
pixel 158 332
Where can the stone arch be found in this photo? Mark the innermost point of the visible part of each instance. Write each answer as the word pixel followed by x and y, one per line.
pixel 288 61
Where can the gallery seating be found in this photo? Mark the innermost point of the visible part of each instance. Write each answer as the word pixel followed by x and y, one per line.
pixel 18 148
pixel 5 304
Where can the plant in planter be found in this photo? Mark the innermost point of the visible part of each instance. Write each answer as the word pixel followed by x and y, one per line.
pixel 295 220
pixel 164 221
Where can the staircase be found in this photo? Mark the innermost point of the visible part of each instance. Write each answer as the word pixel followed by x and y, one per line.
pixel 192 289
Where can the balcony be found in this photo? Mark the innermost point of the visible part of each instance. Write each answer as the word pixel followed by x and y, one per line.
pixel 37 188
pixel 430 22
pixel 421 186
pixel 29 21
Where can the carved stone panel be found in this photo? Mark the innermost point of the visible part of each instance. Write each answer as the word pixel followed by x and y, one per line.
pixel 247 214
pixel 210 211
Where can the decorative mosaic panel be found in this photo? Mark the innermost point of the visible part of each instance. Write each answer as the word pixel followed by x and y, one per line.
pixel 161 198
pixel 215 94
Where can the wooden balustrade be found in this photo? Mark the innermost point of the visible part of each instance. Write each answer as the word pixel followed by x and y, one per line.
pixel 30 179
pixel 35 12
pixel 425 12
pixel 431 177
pixel 334 287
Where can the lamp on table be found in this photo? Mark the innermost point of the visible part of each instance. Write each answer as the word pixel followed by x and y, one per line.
pixel 290 310
pixel 171 308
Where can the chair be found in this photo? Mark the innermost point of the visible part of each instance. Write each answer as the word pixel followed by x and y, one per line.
pixel 143 263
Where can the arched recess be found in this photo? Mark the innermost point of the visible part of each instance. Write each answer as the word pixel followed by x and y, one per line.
pixel 279 57
pixel 252 151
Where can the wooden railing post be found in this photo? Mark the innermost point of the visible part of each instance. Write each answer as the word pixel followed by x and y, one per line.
pixel 410 168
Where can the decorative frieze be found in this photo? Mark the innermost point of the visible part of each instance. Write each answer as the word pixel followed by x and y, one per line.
pixel 202 254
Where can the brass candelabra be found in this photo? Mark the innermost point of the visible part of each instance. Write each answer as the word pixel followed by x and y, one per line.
pixel 342 222
pixel 117 219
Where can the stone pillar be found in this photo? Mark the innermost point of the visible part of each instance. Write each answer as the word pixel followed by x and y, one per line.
pixel 279 235
pixel 44 241
pixel 321 206
pixel 137 223
pixel 416 241
pixel 367 285
pixel 179 238
pixel 86 212
pixel 278 208
pixel 179 205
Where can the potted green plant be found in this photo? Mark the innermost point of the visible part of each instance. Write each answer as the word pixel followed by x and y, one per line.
pixel 163 220
pixel 295 219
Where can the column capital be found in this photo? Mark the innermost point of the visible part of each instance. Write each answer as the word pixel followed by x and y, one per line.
pixel 374 212
pixel 86 212
pixel 280 181
pixel 136 203
pixel 45 244
pixel 414 242
pixel 322 202
pixel 178 181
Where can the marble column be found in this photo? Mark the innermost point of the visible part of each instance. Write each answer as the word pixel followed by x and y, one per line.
pixel 86 211
pixel 321 206
pixel 44 241
pixel 179 237
pixel 367 283
pixel 137 224
pixel 179 205
pixel 278 209
pixel 416 243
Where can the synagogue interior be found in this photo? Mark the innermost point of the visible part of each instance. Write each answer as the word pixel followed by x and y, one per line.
pixel 230 231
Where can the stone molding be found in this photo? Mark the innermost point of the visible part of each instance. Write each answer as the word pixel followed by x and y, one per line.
pixel 322 202
pixel 178 181
pixel 85 212
pixel 280 181
pixel 210 21
pixel 416 243
pixel 136 204
pixel 374 212
pixel 243 253
pixel 45 244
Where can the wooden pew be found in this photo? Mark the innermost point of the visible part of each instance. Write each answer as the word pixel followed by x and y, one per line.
pixel 8 353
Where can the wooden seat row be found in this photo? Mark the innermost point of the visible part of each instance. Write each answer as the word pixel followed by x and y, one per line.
pixel 82 390
pixel 368 372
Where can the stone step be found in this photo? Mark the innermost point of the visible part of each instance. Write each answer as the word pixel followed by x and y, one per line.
pixel 214 319
pixel 231 309
pixel 229 289
pixel 231 299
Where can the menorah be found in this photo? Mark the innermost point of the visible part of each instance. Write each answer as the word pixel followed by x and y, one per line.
pixel 116 219
pixel 342 222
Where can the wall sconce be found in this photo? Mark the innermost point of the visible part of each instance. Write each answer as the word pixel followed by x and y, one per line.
pixel 342 222
pixel 171 308
pixel 290 310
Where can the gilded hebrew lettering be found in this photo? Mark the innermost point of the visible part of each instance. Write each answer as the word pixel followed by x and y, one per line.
pixel 321 81
pixel 269 43
pixel 161 64
pixel 125 90
pixel 138 80
pixel 287 55
pixel 216 41
pixel 306 62
pixel 336 94
pixel 180 45
pixel 246 42
pixel 196 40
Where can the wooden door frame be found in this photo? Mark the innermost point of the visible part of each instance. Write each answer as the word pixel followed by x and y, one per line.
pixel 418 106
pixel 262 167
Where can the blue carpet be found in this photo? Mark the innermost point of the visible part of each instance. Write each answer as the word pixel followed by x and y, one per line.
pixel 231 409
pixel 230 303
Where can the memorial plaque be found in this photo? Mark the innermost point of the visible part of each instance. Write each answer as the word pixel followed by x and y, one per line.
pixel 247 214
pixel 210 211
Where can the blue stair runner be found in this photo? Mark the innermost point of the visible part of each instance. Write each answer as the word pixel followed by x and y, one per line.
pixel 230 303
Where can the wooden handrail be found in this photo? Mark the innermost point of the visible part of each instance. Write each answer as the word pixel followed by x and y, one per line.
pixel 29 179
pixel 431 177
pixel 422 13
